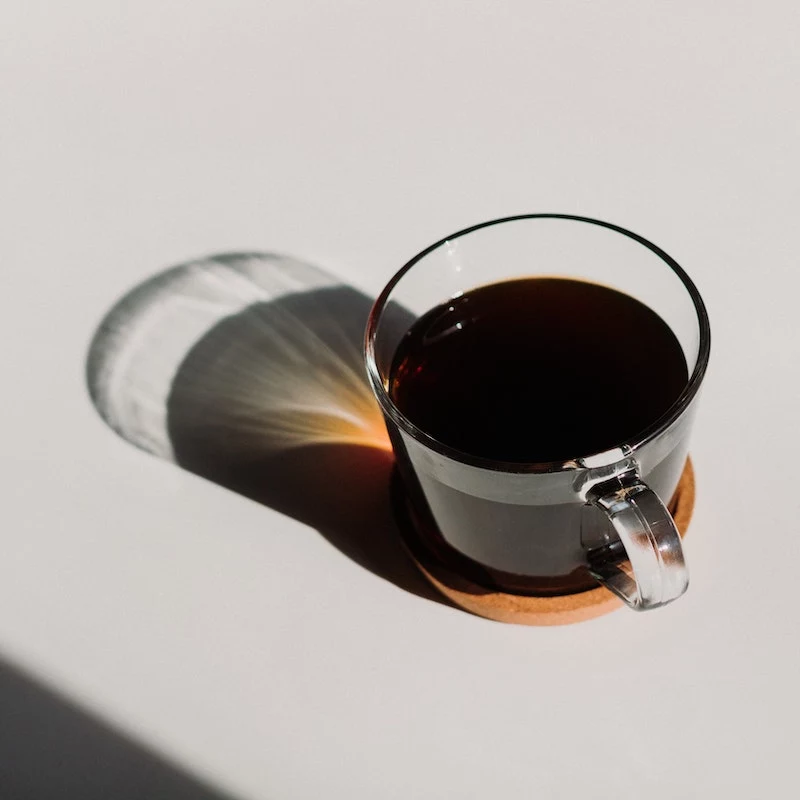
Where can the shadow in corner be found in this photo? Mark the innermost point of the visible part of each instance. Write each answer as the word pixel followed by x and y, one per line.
pixel 247 369
pixel 51 750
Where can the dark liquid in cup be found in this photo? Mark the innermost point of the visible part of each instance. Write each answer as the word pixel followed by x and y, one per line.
pixel 537 369
pixel 530 370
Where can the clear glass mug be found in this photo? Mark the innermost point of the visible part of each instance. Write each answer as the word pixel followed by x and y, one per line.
pixel 596 517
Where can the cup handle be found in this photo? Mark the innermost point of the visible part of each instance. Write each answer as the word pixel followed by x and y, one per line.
pixel 644 566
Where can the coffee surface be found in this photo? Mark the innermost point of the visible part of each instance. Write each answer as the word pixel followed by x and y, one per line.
pixel 537 369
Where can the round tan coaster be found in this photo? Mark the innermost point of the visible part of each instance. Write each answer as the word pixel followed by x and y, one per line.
pixel 527 610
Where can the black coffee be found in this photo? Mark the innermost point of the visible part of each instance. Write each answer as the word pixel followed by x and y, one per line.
pixel 537 369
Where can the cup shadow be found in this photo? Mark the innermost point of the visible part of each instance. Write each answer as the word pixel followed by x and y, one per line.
pixel 247 370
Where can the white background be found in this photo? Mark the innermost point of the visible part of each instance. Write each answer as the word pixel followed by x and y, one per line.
pixel 137 135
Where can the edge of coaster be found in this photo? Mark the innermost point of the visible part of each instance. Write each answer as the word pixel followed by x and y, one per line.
pixel 559 610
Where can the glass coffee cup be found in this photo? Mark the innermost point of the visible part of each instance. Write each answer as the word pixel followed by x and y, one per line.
pixel 539 376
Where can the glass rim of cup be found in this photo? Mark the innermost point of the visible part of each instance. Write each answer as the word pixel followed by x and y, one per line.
pixel 607 457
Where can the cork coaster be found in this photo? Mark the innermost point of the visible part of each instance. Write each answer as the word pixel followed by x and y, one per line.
pixel 527 610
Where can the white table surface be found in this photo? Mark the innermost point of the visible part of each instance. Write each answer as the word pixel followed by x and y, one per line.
pixel 237 642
